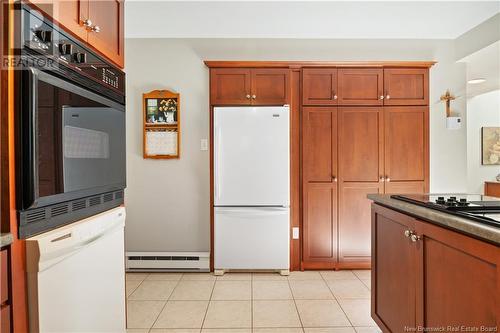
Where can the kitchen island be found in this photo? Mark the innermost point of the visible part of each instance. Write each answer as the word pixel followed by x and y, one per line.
pixel 433 271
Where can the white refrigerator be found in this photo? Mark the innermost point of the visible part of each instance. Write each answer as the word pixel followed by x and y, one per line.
pixel 251 188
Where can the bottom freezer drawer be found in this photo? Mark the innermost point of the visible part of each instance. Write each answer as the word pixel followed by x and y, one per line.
pixel 251 238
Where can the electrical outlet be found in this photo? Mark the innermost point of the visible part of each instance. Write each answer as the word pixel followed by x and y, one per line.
pixel 204 144
pixel 295 233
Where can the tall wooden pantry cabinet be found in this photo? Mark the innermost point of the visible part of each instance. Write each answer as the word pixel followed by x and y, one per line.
pixel 357 128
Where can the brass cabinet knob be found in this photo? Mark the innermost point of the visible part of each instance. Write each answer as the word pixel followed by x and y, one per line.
pixel 254 97
pixel 335 97
pixel 87 23
pixel 381 96
pixel 387 179
pixel 381 179
pixel 96 29
pixel 248 96
pixel 334 178
pixel 414 238
pixel 388 96
pixel 408 233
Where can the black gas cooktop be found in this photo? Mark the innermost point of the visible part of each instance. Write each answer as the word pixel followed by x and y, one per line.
pixel 477 207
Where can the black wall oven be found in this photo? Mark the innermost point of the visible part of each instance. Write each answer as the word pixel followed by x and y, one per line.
pixel 71 128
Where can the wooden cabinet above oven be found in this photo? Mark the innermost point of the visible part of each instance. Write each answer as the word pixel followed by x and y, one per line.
pixel 100 23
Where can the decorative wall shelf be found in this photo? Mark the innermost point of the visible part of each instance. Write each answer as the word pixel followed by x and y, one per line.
pixel 161 124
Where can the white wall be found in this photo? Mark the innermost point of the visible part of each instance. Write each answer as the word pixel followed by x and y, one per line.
pixel 168 200
pixel 482 111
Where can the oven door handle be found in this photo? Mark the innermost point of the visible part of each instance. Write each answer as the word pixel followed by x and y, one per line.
pixel 27 137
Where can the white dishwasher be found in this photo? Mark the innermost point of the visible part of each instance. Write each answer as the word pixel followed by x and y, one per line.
pixel 76 276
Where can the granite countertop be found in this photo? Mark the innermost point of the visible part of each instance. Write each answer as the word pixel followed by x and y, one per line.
pixel 5 239
pixel 461 224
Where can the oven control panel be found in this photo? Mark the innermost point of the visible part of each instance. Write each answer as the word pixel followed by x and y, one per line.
pixel 55 47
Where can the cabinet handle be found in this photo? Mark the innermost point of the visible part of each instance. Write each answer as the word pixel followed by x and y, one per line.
pixel 254 97
pixel 87 23
pixel 96 29
pixel 381 180
pixel 408 233
pixel 381 96
pixel 414 238
pixel 387 179
pixel 334 95
pixel 334 178
pixel 248 96
pixel 388 96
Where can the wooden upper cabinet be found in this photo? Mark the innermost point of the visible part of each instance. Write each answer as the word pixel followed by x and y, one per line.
pixel 319 86
pixel 107 34
pixel 406 148
pixel 361 155
pixel 270 86
pixel 230 86
pixel 406 86
pixel 393 272
pixel 72 14
pixel 245 86
pixel 360 86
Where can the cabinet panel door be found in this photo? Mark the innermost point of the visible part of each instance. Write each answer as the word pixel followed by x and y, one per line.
pixel 360 144
pixel 406 147
pixel 354 221
pixel 71 14
pixel 230 86
pixel 319 86
pixel 360 86
pixel 406 86
pixel 319 144
pixel 404 187
pixel 320 222
pixel 458 279
pixel 393 271
pixel 108 15
pixel 270 86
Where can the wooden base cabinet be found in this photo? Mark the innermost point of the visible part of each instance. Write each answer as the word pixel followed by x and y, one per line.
pixel 427 276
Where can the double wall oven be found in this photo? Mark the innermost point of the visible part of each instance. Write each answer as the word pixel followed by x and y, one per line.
pixel 70 128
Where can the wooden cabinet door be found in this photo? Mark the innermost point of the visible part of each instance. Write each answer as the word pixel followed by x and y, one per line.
pixel 320 225
pixel 319 86
pixel 360 86
pixel 361 142
pixel 270 86
pixel 406 86
pixel 71 14
pixel 360 168
pixel 406 148
pixel 230 86
pixel 319 146
pixel 393 270
pixel 458 279
pixel 108 15
pixel 354 223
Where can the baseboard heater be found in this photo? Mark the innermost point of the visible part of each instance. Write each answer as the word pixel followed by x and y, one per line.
pixel 167 261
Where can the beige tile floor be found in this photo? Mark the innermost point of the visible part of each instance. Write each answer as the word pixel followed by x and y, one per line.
pixel 322 302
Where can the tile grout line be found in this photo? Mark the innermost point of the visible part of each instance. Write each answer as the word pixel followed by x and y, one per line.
pixel 166 302
pixel 296 307
pixel 336 299
pixel 251 302
pixel 208 305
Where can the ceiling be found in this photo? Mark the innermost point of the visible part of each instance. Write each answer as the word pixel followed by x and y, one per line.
pixel 484 64
pixel 305 19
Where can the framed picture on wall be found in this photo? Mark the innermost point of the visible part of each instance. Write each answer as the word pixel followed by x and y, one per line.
pixel 490 145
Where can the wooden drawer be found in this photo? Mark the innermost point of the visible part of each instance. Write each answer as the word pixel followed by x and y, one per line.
pixel 5 319
pixel 4 277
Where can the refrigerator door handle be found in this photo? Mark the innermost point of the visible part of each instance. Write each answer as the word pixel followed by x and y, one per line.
pixel 218 134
